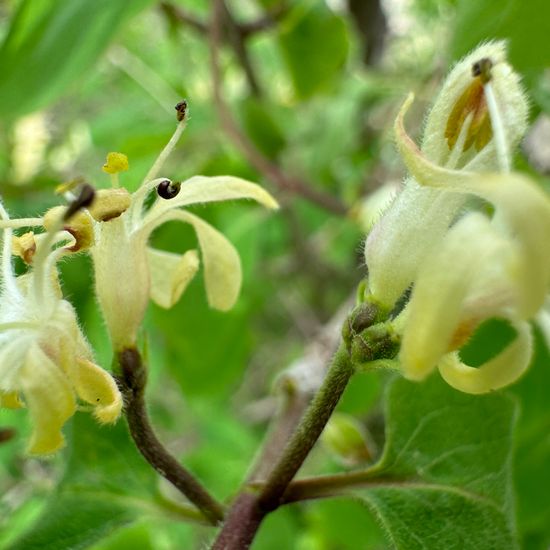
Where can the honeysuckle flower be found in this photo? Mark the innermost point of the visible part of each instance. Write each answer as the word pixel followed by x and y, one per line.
pixel 484 269
pixel 465 267
pixel 45 361
pixel 128 272
pixel 459 134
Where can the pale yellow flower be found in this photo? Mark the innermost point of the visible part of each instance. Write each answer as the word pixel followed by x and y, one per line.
pixel 464 266
pixel 45 361
pixel 455 137
pixel 128 272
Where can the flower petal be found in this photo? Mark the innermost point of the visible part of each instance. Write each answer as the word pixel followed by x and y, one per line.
pixel 170 274
pixel 496 373
pixel 508 94
pixel 399 243
pixel 222 265
pixel 97 387
pixel 201 189
pixel 435 314
pixel 49 398
pixel 523 209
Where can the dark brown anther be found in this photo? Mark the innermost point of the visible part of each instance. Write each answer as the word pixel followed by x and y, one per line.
pixel 482 68
pixel 181 110
pixel 85 198
pixel 167 189
pixel 6 434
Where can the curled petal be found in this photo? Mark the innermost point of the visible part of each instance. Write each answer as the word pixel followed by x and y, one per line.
pixel 435 315
pixel 509 96
pixel 49 398
pixel 201 189
pixel 97 387
pixel 170 274
pixel 522 209
pixel 222 265
pixel 502 370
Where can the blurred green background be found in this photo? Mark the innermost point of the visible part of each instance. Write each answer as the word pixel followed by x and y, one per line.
pixel 313 86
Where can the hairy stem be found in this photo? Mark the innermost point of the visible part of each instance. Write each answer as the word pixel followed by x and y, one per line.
pixel 133 380
pixel 309 430
pixel 249 509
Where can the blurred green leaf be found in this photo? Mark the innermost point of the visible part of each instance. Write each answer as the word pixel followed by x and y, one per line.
pixel 261 127
pixel 51 44
pixel 314 44
pixel 532 456
pixel 106 485
pixel 523 24
pixel 447 460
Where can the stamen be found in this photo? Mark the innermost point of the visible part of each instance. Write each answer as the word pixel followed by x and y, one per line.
pixel 168 190
pixel 44 259
pixel 482 69
pixel 181 110
pixel 182 117
pixel 16 325
pixel 21 222
pixel 501 143
pixel 8 277
pixel 85 198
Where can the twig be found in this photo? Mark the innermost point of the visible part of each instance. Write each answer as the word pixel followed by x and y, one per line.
pixel 133 379
pixel 299 383
pixel 337 484
pixel 270 170
pixel 179 14
pixel 237 40
pixel 249 509
pixel 245 29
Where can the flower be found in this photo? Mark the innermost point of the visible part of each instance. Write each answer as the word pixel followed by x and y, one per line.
pixel 457 135
pixel 466 267
pixel 128 272
pixel 45 361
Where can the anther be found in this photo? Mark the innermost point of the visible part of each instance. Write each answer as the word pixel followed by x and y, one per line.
pixel 181 110
pixel 482 68
pixel 167 189
pixel 84 199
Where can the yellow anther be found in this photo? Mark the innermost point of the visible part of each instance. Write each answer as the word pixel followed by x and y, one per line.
pixel 24 246
pixel 116 162
pixel 80 226
pixel 109 204
pixel 472 101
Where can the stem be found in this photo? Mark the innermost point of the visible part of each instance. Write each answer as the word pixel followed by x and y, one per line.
pixel 133 380
pixel 309 429
pixel 249 509
pixel 332 485
pixel 292 410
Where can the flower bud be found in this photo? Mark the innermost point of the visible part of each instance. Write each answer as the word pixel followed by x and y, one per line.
pixel 346 438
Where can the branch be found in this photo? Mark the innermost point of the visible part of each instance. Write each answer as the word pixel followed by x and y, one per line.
pixel 182 16
pixel 245 29
pixel 249 509
pixel 335 485
pixel 270 170
pixel 133 380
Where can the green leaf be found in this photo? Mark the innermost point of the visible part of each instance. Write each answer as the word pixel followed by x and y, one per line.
pixel 523 24
pixel 532 455
pixel 106 485
pixel 261 127
pixel 51 44
pixel 314 45
pixel 445 475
